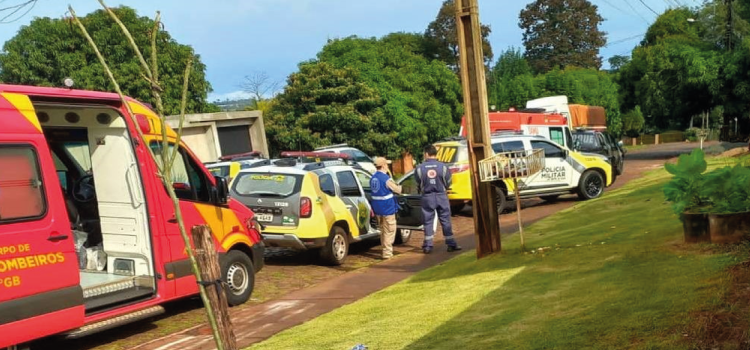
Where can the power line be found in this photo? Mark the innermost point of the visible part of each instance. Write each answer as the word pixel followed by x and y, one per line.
pixel 624 39
pixel 621 10
pixel 648 7
pixel 636 11
pixel 15 9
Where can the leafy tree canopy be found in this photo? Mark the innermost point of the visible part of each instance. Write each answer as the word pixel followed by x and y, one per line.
pixel 442 37
pixel 47 51
pixel 376 94
pixel 676 72
pixel 561 33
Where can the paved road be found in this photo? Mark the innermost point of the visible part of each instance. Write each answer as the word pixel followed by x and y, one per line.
pixel 330 288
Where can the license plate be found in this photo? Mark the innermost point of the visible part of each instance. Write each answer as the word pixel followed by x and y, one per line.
pixel 264 217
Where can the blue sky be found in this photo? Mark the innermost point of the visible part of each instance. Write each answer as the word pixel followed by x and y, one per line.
pixel 239 37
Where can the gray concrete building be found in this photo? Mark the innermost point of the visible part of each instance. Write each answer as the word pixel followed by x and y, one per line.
pixel 212 135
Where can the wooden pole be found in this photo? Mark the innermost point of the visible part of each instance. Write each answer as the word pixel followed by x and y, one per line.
pixel 210 278
pixel 518 213
pixel 471 62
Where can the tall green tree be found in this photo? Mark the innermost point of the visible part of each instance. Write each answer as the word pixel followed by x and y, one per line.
pixel 376 94
pixel 561 33
pixel 676 71
pixel 510 81
pixel 47 51
pixel 442 37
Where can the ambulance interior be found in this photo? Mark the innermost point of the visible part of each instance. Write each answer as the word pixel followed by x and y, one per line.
pixel 104 197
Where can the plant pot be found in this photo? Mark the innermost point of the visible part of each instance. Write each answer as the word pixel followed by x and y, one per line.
pixel 696 227
pixel 729 228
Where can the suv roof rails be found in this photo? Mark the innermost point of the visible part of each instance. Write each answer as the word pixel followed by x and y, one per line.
pixel 261 163
pixel 302 155
pixel 332 146
pixel 285 162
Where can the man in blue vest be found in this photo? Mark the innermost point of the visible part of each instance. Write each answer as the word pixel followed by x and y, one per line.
pixel 384 205
pixel 433 181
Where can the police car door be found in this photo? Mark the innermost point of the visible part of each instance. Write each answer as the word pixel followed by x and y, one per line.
pixel 409 203
pixel 556 173
pixel 353 196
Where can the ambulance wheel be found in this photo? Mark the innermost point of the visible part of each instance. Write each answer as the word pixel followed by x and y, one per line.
pixel 239 274
pixel 403 236
pixel 336 248
pixel 502 201
pixel 591 185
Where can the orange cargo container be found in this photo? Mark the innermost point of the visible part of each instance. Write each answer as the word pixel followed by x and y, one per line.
pixel 587 116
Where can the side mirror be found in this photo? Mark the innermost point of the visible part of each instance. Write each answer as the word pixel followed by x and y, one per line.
pixel 620 144
pixel 221 191
pixel 577 145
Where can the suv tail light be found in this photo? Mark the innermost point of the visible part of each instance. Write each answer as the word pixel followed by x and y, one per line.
pixel 458 168
pixel 305 207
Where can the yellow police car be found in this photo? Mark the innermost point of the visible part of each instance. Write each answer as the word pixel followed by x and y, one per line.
pixel 565 171
pixel 321 205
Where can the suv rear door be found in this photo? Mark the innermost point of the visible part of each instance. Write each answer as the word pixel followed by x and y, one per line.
pixel 353 195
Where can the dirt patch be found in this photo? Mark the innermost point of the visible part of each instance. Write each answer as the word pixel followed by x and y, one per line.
pixel 725 327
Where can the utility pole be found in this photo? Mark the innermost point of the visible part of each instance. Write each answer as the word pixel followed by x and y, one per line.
pixel 471 62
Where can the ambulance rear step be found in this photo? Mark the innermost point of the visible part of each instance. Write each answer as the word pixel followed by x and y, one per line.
pixel 117 290
pixel 114 322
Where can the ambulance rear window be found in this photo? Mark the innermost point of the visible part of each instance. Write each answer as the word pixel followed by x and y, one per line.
pixel 267 184
pixel 21 191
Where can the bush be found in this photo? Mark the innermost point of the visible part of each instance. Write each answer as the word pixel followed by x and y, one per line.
pixel 692 134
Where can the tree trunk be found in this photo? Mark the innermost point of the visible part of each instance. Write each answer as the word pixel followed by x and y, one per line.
pixel 208 264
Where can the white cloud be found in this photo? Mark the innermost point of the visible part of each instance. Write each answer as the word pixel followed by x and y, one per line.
pixel 234 95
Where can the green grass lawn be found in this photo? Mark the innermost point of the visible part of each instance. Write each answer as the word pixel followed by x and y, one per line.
pixel 607 273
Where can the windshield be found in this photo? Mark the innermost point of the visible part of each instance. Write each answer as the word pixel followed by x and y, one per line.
pixel 588 141
pixel 267 184
pixel 452 154
pixel 221 170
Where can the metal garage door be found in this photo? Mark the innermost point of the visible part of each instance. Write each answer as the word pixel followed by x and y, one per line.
pixel 234 139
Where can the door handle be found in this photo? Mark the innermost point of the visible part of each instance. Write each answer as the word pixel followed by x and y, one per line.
pixel 172 220
pixel 57 237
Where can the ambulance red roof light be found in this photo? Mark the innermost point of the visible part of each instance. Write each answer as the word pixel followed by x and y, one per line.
pixel 143 123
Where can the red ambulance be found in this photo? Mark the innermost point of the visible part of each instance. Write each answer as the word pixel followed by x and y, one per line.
pixel 88 236
pixel 552 126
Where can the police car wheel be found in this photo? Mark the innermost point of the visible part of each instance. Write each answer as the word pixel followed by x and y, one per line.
pixel 336 248
pixel 239 275
pixel 591 185
pixel 501 200
pixel 402 236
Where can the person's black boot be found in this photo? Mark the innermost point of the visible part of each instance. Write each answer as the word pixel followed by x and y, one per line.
pixel 427 250
pixel 453 248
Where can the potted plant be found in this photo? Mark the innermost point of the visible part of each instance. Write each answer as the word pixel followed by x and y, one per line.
pixel 727 189
pixel 688 199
